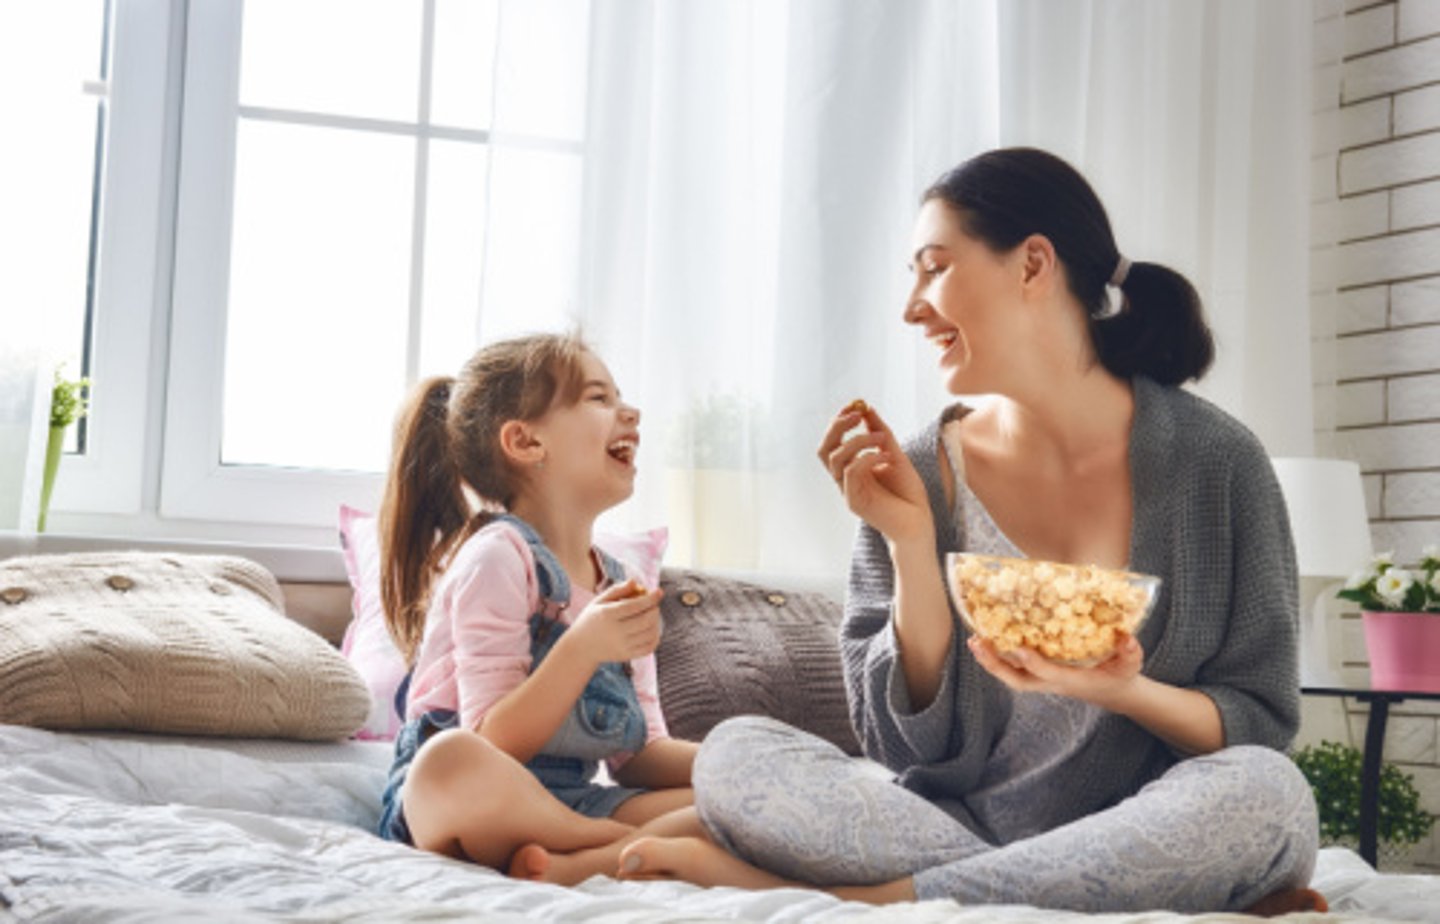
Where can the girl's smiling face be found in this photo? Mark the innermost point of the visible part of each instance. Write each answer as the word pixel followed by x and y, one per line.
pixel 590 446
pixel 965 299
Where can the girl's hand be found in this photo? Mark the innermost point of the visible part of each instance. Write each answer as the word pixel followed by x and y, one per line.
pixel 621 624
pixel 880 484
pixel 1104 685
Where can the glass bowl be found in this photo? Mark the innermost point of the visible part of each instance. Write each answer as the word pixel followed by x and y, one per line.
pixel 1070 614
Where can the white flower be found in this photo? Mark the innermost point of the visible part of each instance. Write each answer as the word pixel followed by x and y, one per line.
pixel 1382 560
pixel 1359 579
pixel 1430 553
pixel 1393 585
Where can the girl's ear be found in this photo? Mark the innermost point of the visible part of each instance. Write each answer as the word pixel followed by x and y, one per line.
pixel 1039 265
pixel 519 443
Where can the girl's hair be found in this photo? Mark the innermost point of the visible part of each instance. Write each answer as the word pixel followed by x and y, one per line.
pixel 1003 196
pixel 446 450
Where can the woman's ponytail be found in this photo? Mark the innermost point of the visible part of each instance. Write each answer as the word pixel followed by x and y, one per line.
pixel 424 510
pixel 1159 331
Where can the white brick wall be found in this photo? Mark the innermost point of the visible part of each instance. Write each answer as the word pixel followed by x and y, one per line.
pixel 1375 249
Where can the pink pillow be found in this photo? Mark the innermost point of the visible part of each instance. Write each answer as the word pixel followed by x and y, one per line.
pixel 367 641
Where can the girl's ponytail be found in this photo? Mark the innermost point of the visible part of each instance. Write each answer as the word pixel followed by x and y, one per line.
pixel 424 510
pixel 1159 331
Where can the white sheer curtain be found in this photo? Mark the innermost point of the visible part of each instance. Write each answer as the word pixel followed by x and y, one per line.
pixel 752 168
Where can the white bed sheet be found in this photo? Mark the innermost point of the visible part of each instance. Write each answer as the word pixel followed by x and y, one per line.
pixel 119 828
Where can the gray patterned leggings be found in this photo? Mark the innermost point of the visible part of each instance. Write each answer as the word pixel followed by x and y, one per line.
pixel 1217 832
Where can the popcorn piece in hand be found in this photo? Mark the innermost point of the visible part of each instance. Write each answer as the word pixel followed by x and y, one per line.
pixel 633 588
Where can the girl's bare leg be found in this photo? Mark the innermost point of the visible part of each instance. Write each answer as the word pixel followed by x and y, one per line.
pixel 466 798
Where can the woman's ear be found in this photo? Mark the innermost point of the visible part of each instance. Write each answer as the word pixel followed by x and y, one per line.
pixel 1039 265
pixel 520 444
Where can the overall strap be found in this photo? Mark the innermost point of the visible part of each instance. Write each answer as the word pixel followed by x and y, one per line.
pixel 551 579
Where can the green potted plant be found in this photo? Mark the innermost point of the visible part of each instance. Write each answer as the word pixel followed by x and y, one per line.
pixel 69 401
pixel 1333 770
pixel 1400 614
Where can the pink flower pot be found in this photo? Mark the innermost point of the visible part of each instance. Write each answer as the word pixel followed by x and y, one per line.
pixel 1404 650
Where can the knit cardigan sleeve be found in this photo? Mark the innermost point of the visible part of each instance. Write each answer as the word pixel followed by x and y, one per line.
pixel 891 730
pixel 1254 678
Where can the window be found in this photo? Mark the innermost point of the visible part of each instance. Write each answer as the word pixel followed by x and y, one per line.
pixel 362 191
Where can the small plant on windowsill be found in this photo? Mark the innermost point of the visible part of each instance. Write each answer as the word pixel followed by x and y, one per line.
pixel 69 401
pixel 1333 770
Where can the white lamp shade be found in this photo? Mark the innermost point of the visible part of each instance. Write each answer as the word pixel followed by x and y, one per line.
pixel 1326 501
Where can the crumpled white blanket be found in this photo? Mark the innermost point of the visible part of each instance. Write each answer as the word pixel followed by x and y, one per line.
pixel 116 828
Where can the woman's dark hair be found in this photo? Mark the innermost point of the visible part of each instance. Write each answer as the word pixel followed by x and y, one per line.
pixel 1003 196
pixel 447 450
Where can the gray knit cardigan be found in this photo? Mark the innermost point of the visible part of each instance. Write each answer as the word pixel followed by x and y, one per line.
pixel 1209 519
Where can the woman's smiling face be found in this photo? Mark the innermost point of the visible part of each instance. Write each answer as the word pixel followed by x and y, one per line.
pixel 964 299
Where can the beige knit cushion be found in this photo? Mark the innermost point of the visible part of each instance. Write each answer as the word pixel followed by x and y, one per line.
pixel 181 644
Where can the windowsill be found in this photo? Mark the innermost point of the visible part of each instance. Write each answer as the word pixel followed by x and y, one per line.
pixel 290 563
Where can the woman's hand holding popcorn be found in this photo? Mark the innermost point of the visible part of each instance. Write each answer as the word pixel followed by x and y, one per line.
pixel 1103 684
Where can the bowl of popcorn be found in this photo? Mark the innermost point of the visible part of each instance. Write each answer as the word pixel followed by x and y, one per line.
pixel 1072 614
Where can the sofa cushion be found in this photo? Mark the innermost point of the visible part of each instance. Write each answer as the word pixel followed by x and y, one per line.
pixel 732 647
pixel 170 643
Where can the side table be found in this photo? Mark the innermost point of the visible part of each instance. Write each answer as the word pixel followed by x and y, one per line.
pixel 1380 701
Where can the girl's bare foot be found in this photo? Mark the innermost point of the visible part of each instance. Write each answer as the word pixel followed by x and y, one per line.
pixel 537 864
pixel 692 859
pixel 530 862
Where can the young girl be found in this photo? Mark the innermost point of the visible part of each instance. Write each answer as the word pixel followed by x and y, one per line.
pixel 530 650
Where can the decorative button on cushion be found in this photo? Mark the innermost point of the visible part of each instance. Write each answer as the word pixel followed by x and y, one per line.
pixel 119 582
pixel 13 595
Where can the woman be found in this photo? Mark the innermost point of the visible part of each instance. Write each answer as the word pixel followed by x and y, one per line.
pixel 1153 780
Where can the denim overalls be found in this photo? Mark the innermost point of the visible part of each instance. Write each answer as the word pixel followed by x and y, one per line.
pixel 606 720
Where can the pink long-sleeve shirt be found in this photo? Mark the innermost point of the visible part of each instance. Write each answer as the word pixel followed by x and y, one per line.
pixel 476 646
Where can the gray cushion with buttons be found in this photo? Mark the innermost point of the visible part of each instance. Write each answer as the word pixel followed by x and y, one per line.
pixel 731 647
pixel 180 644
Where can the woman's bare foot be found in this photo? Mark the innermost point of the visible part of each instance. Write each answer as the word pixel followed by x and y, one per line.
pixel 693 859
pixel 1288 900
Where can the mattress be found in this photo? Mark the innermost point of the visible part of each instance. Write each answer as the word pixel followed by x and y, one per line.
pixel 119 828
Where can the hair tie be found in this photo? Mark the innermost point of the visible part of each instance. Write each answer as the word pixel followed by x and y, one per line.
pixel 1122 270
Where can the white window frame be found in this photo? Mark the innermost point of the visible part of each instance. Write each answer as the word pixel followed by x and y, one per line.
pixel 196 485
pixel 151 470
pixel 110 476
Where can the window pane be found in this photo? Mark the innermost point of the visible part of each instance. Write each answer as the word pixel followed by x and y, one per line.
pixel 461 87
pixel 343 57
pixel 319 287
pixel 50 53
pixel 454 249
pixel 540 76
pixel 533 248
